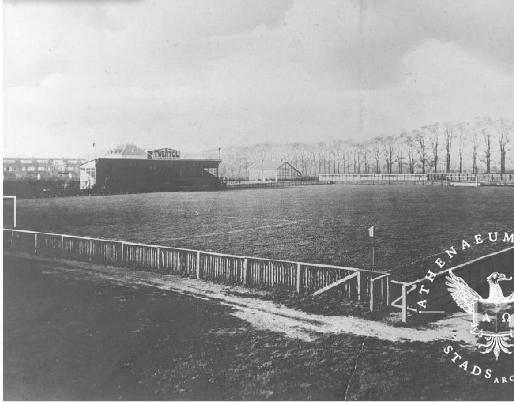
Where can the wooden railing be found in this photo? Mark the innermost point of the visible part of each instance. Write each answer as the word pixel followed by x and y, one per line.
pixel 252 272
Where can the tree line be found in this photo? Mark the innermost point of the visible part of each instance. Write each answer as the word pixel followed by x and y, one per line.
pixel 478 146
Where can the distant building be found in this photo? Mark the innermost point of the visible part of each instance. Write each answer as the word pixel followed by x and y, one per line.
pixel 272 171
pixel 41 169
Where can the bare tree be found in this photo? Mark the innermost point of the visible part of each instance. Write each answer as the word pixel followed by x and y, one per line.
pixel 475 145
pixel 304 162
pixel 409 144
pixel 462 142
pixel 422 149
pixel 339 155
pixel 354 155
pixel 388 146
pixel 503 141
pixel 377 141
pixel 358 150
pixel 448 138
pixel 400 149
pixel 434 143
pixel 407 152
pixel 486 135
pixel 365 157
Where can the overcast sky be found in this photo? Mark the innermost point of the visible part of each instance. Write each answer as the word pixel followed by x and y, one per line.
pixel 197 74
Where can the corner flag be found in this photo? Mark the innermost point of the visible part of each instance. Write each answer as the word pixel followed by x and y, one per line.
pixel 371 231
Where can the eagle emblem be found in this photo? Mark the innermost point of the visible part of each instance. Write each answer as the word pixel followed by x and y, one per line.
pixel 469 300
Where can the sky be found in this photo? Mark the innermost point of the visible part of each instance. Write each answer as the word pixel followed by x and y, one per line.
pixel 200 74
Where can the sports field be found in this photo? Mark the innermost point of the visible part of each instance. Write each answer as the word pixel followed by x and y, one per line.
pixel 325 224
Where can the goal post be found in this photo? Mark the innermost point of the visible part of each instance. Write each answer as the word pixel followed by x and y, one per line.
pixel 9 216
pixel 462 180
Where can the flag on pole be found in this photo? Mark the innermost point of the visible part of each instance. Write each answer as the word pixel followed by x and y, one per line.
pixel 371 231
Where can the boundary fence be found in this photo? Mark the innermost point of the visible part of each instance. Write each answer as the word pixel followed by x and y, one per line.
pixel 374 178
pixel 355 283
pixel 484 179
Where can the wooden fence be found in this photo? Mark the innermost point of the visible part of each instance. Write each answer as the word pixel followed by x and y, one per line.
pixel 363 285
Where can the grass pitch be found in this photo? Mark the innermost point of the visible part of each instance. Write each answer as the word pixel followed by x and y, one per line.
pixel 322 224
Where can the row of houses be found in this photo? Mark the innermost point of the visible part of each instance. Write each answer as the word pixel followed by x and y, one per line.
pixel 41 168
pixel 66 169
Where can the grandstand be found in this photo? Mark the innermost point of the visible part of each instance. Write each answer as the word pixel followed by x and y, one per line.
pixel 118 176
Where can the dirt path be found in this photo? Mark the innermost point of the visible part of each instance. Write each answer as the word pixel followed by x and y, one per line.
pixel 264 314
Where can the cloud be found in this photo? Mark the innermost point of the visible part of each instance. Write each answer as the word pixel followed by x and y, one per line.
pixel 193 74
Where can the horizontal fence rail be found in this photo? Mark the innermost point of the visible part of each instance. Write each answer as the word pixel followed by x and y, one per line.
pixel 228 269
pixel 506 179
pixel 373 178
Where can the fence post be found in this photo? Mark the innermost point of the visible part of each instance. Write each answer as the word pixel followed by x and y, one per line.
pixel 371 294
pixel 158 258
pixel 122 262
pixel 388 301
pixel 62 246
pixel 404 302
pixel 35 243
pixel 197 265
pixel 298 278
pixel 90 250
pixel 359 285
pixel 246 279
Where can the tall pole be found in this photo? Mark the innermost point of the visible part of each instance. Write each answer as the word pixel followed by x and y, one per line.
pixel 14 210
pixel 373 251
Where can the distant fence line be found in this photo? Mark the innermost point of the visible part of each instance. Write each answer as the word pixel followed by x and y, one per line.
pixel 428 178
pixel 254 272
pixel 373 178
pixel 238 184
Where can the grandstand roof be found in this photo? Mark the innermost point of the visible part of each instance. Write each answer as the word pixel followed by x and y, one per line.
pixel 124 150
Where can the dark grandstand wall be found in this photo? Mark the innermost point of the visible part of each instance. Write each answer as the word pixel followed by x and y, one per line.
pixel 114 176
pixel 41 188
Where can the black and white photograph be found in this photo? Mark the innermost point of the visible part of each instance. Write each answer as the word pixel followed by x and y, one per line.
pixel 258 200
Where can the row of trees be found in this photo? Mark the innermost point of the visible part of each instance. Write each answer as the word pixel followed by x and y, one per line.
pixel 479 146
